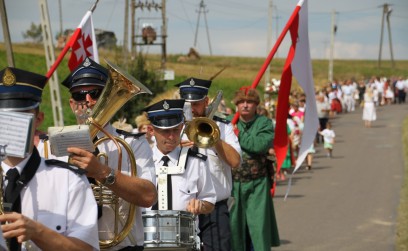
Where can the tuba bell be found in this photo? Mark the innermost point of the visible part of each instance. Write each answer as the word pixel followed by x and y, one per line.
pixel 119 89
pixel 203 131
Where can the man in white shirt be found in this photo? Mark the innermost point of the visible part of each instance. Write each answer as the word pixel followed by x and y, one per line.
pixel 85 84
pixel 183 178
pixel 53 205
pixel 222 157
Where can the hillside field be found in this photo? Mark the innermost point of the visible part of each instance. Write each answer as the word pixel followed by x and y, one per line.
pixel 239 71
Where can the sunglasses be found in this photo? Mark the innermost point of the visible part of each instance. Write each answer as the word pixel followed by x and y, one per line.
pixel 81 95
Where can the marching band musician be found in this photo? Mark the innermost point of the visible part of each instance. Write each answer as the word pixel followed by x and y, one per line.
pixel 85 84
pixel 53 206
pixel 184 181
pixel 215 229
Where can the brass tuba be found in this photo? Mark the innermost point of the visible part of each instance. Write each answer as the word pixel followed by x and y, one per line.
pixel 119 89
pixel 203 131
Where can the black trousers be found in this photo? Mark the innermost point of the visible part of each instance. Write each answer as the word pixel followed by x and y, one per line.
pixel 134 248
pixel 215 231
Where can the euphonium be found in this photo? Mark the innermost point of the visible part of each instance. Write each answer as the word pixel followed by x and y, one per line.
pixel 119 89
pixel 203 131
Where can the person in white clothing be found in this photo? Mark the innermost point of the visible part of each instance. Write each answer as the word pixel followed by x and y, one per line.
pixel 369 109
pixel 51 205
pixel 328 137
pixel 183 170
pixel 85 85
pixel 225 155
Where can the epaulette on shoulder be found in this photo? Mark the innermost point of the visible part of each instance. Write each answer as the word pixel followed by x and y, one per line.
pixel 59 163
pixel 194 153
pixel 129 134
pixel 222 120
pixel 43 137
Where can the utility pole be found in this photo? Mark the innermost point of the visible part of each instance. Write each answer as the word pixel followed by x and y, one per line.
pixel 132 33
pixel 277 17
pixel 164 35
pixel 204 11
pixel 126 35
pixel 389 36
pixel 269 42
pixel 60 17
pixel 386 14
pixel 333 32
pixel 50 59
pixel 6 34
pixel 148 34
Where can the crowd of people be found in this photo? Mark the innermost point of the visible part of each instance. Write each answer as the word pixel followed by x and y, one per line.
pixel 222 179
pixel 332 99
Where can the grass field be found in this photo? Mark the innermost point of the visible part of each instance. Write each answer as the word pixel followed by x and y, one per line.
pixel 239 72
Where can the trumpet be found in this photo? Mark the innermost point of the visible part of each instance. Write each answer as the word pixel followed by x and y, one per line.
pixel 203 131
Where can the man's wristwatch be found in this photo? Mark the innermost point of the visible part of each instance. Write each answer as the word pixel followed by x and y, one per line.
pixel 110 178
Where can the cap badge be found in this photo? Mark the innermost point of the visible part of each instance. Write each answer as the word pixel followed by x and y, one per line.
pixel 166 106
pixel 9 79
pixel 87 62
pixel 192 83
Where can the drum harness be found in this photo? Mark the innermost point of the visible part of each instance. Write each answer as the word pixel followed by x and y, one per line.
pixel 163 172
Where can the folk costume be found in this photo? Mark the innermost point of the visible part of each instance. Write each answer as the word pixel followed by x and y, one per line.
pixel 253 221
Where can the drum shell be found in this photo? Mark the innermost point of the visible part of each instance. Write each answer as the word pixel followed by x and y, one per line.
pixel 169 230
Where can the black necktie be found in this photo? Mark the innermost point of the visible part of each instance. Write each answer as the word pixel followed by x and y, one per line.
pixel 166 160
pixel 12 177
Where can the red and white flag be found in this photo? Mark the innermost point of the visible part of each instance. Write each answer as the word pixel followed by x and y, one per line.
pixel 83 43
pixel 303 72
pixel 299 63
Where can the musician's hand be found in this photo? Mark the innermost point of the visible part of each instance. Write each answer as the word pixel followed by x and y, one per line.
pixel 194 206
pixel 18 226
pixel 86 160
pixel 186 143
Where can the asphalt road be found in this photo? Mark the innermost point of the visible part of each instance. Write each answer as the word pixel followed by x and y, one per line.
pixel 348 202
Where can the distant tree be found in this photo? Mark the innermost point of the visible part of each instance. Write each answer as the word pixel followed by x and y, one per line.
pixel 34 33
pixel 149 79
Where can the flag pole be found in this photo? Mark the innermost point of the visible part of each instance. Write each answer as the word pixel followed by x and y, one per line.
pixel 67 46
pixel 271 54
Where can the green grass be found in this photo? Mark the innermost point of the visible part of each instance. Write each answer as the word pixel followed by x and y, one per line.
pixel 240 71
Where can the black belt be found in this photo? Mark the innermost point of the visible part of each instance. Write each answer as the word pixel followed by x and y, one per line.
pixel 130 248
pixel 221 202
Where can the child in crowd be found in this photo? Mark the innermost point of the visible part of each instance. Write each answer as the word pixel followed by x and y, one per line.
pixel 328 137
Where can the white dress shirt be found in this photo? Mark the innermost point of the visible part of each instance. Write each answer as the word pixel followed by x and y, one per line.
pixel 62 201
pixel 194 182
pixel 221 172
pixel 145 170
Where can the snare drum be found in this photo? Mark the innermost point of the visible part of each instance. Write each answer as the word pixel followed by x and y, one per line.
pixel 169 230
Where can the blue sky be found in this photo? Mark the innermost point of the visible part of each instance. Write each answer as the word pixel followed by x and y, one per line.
pixel 238 27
